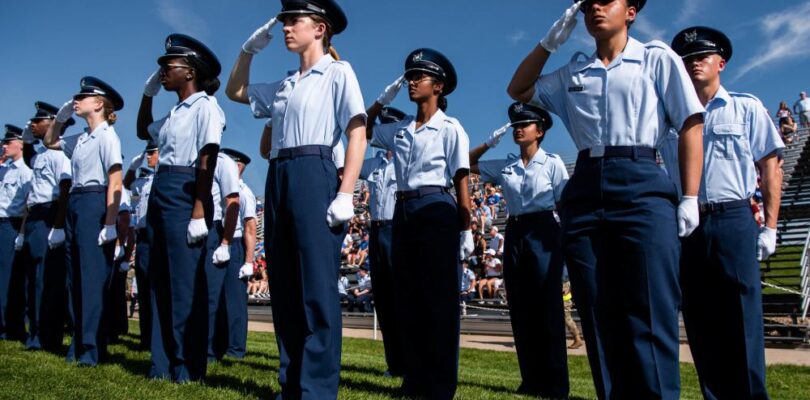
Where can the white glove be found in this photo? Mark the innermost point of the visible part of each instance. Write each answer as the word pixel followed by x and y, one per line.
pixel 197 229
pixel 56 237
pixel 766 244
pixel 107 234
pixel 467 246
pixel 222 254
pixel 260 38
pixel 688 216
pixel 390 93
pixel 561 29
pixel 152 86
pixel 124 266
pixel 28 134
pixel 18 242
pixel 119 252
pixel 246 271
pixel 341 209
pixel 65 112
pixel 136 163
pixel 496 136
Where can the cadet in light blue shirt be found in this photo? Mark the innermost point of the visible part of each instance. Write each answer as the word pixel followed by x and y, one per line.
pixel 180 204
pixel 431 154
pixel 380 173
pixel 309 110
pixel 720 257
pixel 15 185
pixel 620 214
pixel 532 184
pixel 95 196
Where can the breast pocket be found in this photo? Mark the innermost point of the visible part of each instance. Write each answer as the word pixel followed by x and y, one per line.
pixel 10 189
pixel 730 142
pixel 43 173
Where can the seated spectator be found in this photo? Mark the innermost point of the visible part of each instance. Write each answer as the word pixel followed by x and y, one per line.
pixel 477 258
pixel 783 112
pixel 496 241
pixel 358 252
pixel 787 129
pixel 483 216
pixel 467 282
pixel 493 200
pixel 361 295
pixel 492 279
pixel 343 284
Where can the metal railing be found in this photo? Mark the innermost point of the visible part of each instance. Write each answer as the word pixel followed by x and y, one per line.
pixel 805 276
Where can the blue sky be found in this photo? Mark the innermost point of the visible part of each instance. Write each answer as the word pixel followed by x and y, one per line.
pixel 49 45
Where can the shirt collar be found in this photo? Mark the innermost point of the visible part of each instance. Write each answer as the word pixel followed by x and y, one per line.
pixel 193 98
pixel 722 94
pixel 436 120
pixel 322 64
pixel 540 158
pixel 633 51
pixel 100 128
pixel 17 164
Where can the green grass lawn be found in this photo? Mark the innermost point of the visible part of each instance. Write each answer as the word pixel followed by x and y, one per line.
pixel 785 257
pixel 483 375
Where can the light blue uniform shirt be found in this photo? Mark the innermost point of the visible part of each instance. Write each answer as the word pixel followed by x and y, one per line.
pixel 632 102
pixel 191 125
pixel 312 108
pixel 379 172
pixel 428 156
pixel 467 278
pixel 92 154
pixel 669 154
pixel 141 188
pixel 737 133
pixel 364 282
pixel 16 180
pixel 535 187
pixel 339 155
pixel 226 182
pixel 50 167
pixel 247 208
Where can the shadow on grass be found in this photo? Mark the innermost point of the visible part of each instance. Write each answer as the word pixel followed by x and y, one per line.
pixel 231 382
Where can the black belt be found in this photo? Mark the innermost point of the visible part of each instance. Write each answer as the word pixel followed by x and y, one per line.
pixel 42 206
pixel 89 189
pixel 534 216
pixel 176 169
pixel 302 151
pixel 11 219
pixel 618 151
pixel 378 224
pixel 421 192
pixel 724 205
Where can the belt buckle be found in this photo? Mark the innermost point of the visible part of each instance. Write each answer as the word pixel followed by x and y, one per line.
pixel 596 151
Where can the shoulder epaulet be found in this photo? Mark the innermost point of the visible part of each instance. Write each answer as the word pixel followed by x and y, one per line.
pixel 575 57
pixel 744 95
pixel 511 157
pixel 552 155
pixel 656 44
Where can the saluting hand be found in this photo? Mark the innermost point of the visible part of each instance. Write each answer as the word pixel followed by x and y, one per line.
pixel 561 29
pixel 152 86
pixel 28 134
pixel 137 161
pixel 766 243
pixel 65 112
pixel 341 209
pixel 390 93
pixel 56 238
pixel 197 229
pixel 496 136
pixel 260 38
pixel 688 216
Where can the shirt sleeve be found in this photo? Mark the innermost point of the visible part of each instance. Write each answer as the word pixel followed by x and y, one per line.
pixel 763 136
pixel 62 168
pixel 126 201
pixel 559 178
pixel 110 149
pixel 68 144
pixel 210 124
pixel 383 135
pixel 457 149
pixel 348 98
pixel 369 165
pixel 155 127
pixel 247 204
pixel 339 155
pixel 261 96
pixel 490 170
pixel 676 89
pixel 549 93
pixel 228 177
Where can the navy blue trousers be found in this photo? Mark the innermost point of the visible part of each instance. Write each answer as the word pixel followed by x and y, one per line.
pixel 142 280
pixel 384 285
pixel 722 305
pixel 46 275
pixel 232 318
pixel 621 245
pixel 119 322
pixel 90 268
pixel 215 276
pixel 179 288
pixel 12 283
pixel 426 266
pixel 303 264
pixel 532 271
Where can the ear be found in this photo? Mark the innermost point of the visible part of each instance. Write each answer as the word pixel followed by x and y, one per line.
pixel 438 87
pixel 631 15
pixel 721 65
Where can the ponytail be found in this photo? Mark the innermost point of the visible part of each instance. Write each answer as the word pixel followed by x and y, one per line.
pixel 109 111
pixel 442 103
pixel 333 52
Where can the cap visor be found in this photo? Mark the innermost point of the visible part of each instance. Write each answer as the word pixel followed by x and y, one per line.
pixel 698 52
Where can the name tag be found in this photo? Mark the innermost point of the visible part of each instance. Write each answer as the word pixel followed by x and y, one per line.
pixel 576 88
pixel 400 136
pixel 507 172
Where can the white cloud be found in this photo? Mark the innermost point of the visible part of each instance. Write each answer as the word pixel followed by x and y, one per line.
pixel 786 33
pixel 647 30
pixel 181 17
pixel 689 9
pixel 517 37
